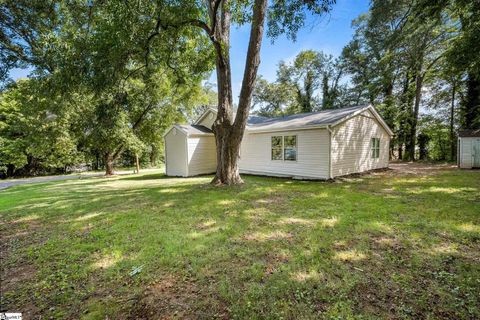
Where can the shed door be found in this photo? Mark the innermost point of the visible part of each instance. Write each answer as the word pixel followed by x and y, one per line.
pixel 476 153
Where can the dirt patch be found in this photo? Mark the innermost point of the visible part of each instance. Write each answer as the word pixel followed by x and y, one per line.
pixel 418 168
pixel 273 261
pixel 13 277
pixel 401 169
pixel 174 298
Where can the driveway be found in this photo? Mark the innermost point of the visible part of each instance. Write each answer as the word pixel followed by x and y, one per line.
pixel 15 182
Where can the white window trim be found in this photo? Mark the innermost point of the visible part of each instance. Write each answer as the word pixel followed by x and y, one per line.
pixel 283 147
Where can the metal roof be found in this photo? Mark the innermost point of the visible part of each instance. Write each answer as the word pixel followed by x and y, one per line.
pixel 194 129
pixel 324 118
pixel 321 118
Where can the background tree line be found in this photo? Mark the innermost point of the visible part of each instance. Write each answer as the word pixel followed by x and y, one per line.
pixel 405 57
pixel 102 90
pixel 109 77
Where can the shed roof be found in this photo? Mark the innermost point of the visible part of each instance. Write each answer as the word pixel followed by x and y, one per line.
pixel 194 129
pixel 469 133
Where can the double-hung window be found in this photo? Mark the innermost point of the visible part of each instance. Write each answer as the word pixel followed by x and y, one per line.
pixel 284 148
pixel 375 148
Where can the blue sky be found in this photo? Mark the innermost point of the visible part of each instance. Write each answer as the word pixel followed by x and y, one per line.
pixel 329 33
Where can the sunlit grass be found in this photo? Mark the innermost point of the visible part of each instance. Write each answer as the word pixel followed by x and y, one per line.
pixel 147 245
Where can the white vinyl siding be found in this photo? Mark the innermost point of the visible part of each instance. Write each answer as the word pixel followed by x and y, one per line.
pixel 202 157
pixel 352 145
pixel 466 152
pixel 176 153
pixel 311 153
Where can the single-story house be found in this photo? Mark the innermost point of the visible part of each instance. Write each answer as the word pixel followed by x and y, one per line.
pixel 317 145
pixel 468 149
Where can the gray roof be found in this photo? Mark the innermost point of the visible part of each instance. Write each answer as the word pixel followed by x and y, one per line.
pixel 195 129
pixel 469 133
pixel 321 118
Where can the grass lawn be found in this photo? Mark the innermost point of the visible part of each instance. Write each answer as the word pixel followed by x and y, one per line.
pixel 147 246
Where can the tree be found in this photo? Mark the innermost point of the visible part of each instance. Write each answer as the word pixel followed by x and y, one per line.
pixel 310 72
pixel 271 98
pixel 215 18
pixel 35 135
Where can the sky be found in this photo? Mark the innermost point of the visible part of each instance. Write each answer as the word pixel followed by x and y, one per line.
pixel 330 34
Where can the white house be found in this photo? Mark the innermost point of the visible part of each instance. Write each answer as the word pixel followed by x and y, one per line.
pixel 469 149
pixel 318 145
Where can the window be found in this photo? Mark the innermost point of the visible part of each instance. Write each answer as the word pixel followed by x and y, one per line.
pixel 277 147
pixel 290 148
pixel 375 148
pixel 284 148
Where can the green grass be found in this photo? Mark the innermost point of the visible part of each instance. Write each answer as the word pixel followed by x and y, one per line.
pixel 147 246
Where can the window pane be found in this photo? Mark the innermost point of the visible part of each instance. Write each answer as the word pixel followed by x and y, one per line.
pixel 375 147
pixel 290 148
pixel 276 142
pixel 290 141
pixel 277 154
pixel 277 148
pixel 290 154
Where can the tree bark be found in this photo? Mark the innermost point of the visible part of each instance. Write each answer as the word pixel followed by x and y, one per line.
pixel 414 119
pixel 109 164
pixel 137 163
pixel 229 133
pixel 453 148
pixel 471 106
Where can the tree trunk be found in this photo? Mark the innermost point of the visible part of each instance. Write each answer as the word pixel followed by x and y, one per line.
pixel 453 148
pixel 414 119
pixel 471 106
pixel 109 164
pixel 137 163
pixel 228 135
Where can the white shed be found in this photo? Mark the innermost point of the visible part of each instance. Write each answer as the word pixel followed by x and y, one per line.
pixel 469 149
pixel 189 151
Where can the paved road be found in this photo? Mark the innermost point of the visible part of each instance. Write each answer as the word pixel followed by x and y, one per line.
pixel 15 182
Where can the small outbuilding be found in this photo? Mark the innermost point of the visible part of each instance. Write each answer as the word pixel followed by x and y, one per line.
pixel 469 149
pixel 318 145
pixel 189 151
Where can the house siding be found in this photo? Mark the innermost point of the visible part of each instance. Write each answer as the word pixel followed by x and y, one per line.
pixel 466 156
pixel 176 153
pixel 202 157
pixel 351 145
pixel 312 155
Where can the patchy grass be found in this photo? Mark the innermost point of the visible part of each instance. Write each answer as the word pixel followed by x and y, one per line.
pixel 147 246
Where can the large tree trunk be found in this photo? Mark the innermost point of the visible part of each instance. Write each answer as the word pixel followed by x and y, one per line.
pixel 414 119
pixel 109 164
pixel 229 133
pixel 137 163
pixel 453 148
pixel 471 106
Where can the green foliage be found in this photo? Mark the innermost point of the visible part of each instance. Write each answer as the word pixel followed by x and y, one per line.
pixel 310 83
pixel 35 130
